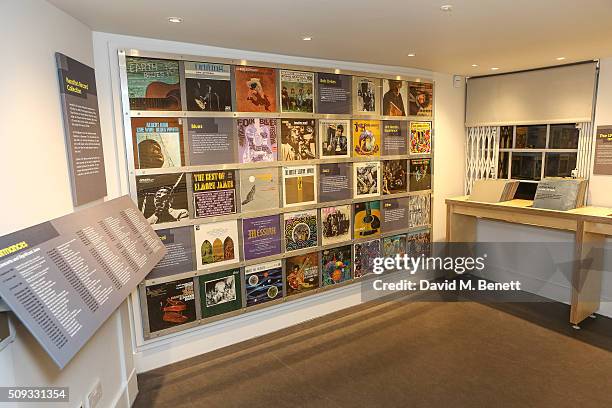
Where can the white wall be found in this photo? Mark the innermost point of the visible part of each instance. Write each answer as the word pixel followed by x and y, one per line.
pixel 36 187
pixel 448 162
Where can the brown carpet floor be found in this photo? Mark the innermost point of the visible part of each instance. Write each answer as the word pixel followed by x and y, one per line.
pixel 403 354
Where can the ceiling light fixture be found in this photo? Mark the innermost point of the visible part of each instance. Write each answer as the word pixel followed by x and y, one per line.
pixel 336 71
pixel 175 19
pixel 412 54
pixel 494 69
pixel 446 7
pixel 307 38
pixel 560 58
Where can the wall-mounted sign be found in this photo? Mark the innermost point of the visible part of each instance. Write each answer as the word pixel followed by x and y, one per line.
pixel 603 151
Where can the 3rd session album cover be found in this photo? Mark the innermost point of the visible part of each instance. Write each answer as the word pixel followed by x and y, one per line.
pixel 257 140
pixel 170 304
pixel 301 230
pixel 333 93
pixel 394 137
pixel 395 97
pixel 162 197
pixel 420 210
pixel 367 219
pixel 255 89
pixel 264 282
pixel 366 179
pixel 366 96
pixel 259 189
pixel 153 84
pixel 334 138
pixel 421 98
pixel 336 265
pixel 420 137
pixel 180 257
pixel 214 193
pixel 297 91
pixel 335 224
pixel 420 174
pixel 298 139
pixel 394 245
pixel 261 236
pixel 208 87
pixel 216 243
pixel 365 253
pixel 335 181
pixel 220 292
pixel 211 141
pixel 366 138
pixel 394 176
pixel 299 185
pixel 158 143
pixel 302 273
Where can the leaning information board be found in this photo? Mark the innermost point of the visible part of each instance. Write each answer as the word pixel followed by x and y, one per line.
pixel 63 278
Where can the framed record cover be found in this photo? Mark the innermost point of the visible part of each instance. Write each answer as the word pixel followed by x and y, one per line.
pixel 336 265
pixel 298 139
pixel 220 292
pixel 335 224
pixel 211 141
pixel 302 273
pixel 395 97
pixel 301 230
pixel 297 89
pixel 366 96
pixel 162 197
pixel 259 189
pixel 257 140
pixel 394 245
pixel 394 176
pixel 153 84
pixel 366 179
pixel 261 237
pixel 420 174
pixel 335 182
pixel 333 93
pixel 419 243
pixel 420 210
pixel 264 282
pixel 255 89
pixel 366 138
pixel 208 87
pixel 334 138
pixel 216 244
pixel 421 98
pixel 367 220
pixel 214 193
pixel 394 137
pixel 365 253
pixel 299 185
pixel 180 257
pixel 158 143
pixel 170 304
pixel 395 214
pixel 420 137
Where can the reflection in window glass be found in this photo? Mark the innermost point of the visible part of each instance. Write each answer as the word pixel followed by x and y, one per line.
pixel 560 164
pixel 531 137
pixel 505 137
pixel 526 166
pixel 563 137
pixel 502 167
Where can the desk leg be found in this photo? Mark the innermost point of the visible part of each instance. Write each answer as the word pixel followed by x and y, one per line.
pixel 587 276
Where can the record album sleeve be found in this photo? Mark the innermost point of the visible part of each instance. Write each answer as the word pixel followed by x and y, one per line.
pixel 297 91
pixel 153 84
pixel 170 304
pixel 420 210
pixel 420 95
pixel 395 96
pixel 333 93
pixel 264 282
pixel 302 273
pixel 394 176
pixel 394 245
pixel 162 197
pixel 367 220
pixel 211 141
pixel 366 138
pixel 419 243
pixel 261 236
pixel 255 89
pixel 301 230
pixel 420 137
pixel 257 140
pixel 335 182
pixel 220 292
pixel 366 179
pixel 214 193
pixel 364 254
pixel 208 87
pixel 298 139
pixel 259 189
pixel 394 137
pixel 180 256
pixel 334 138
pixel 335 224
pixel 158 143
pixel 420 174
pixel 216 244
pixel 299 185
pixel 336 265
pixel 395 214
pixel 366 96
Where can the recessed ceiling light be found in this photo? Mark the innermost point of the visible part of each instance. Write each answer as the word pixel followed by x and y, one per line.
pixel 307 38
pixel 474 65
pixel 175 19
pixel 560 58
pixel 336 71
pixel 446 7
pixel 412 54
pixel 494 69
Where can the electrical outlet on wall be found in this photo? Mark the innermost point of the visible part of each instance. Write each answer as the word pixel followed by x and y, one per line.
pixel 95 395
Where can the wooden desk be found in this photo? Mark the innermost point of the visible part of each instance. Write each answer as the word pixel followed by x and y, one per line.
pixel 591 226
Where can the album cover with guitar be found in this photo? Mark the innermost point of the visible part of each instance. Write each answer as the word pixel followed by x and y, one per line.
pixel 158 143
pixel 302 273
pixel 163 197
pixel 208 87
pixel 367 220
pixel 153 84
pixel 170 304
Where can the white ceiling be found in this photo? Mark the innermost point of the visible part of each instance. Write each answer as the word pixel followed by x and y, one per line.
pixel 509 34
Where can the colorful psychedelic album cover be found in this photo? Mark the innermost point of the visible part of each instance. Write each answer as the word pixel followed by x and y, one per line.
pixel 264 282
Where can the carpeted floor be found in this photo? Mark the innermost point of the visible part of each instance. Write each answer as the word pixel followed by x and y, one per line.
pixel 403 354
